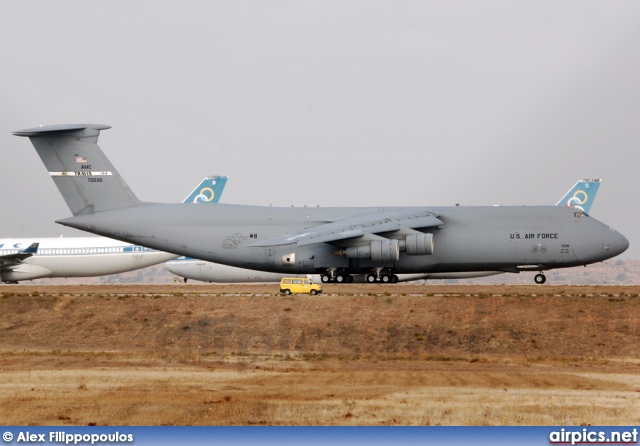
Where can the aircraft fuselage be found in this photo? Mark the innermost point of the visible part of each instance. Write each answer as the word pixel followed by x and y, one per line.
pixel 501 238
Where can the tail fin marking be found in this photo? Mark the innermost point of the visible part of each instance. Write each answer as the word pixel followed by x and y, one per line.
pixel 581 195
pixel 208 191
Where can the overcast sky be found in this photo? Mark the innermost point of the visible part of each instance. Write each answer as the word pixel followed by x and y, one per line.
pixel 335 103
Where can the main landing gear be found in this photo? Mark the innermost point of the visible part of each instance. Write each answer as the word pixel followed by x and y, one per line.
pixel 540 278
pixel 337 277
pixel 384 278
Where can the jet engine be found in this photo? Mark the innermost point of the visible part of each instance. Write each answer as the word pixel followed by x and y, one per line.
pixel 377 250
pixel 25 271
pixel 417 244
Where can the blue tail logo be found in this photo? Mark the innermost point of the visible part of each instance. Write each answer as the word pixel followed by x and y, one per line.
pixel 581 195
pixel 32 249
pixel 208 191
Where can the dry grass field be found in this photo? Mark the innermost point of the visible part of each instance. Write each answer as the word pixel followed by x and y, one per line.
pixel 356 355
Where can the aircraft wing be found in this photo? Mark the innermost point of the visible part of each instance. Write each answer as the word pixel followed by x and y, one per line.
pixel 9 259
pixel 357 226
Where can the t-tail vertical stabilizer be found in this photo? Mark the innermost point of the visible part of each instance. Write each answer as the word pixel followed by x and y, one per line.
pixel 581 195
pixel 85 177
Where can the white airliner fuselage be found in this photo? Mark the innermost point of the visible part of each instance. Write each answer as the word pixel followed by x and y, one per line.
pixel 75 257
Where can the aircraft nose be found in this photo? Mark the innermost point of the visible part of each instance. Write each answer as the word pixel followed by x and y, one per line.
pixel 614 243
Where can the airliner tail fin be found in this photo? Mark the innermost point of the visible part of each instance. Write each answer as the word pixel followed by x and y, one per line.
pixel 581 195
pixel 208 191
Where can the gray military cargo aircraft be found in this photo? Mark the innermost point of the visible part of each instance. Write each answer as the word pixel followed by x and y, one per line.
pixel 337 242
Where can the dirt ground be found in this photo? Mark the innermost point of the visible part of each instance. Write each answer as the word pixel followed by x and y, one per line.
pixel 355 355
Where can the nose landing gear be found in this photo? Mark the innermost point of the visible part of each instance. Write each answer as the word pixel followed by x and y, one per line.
pixel 540 278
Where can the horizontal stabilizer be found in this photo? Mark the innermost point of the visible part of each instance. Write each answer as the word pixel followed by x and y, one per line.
pixel 52 129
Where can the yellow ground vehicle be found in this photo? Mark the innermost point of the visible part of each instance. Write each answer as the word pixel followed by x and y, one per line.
pixel 296 285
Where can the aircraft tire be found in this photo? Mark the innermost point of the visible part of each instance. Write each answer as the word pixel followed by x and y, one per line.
pixel 349 278
pixel 325 278
pixel 386 278
pixel 394 278
pixel 540 279
pixel 371 278
pixel 340 278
